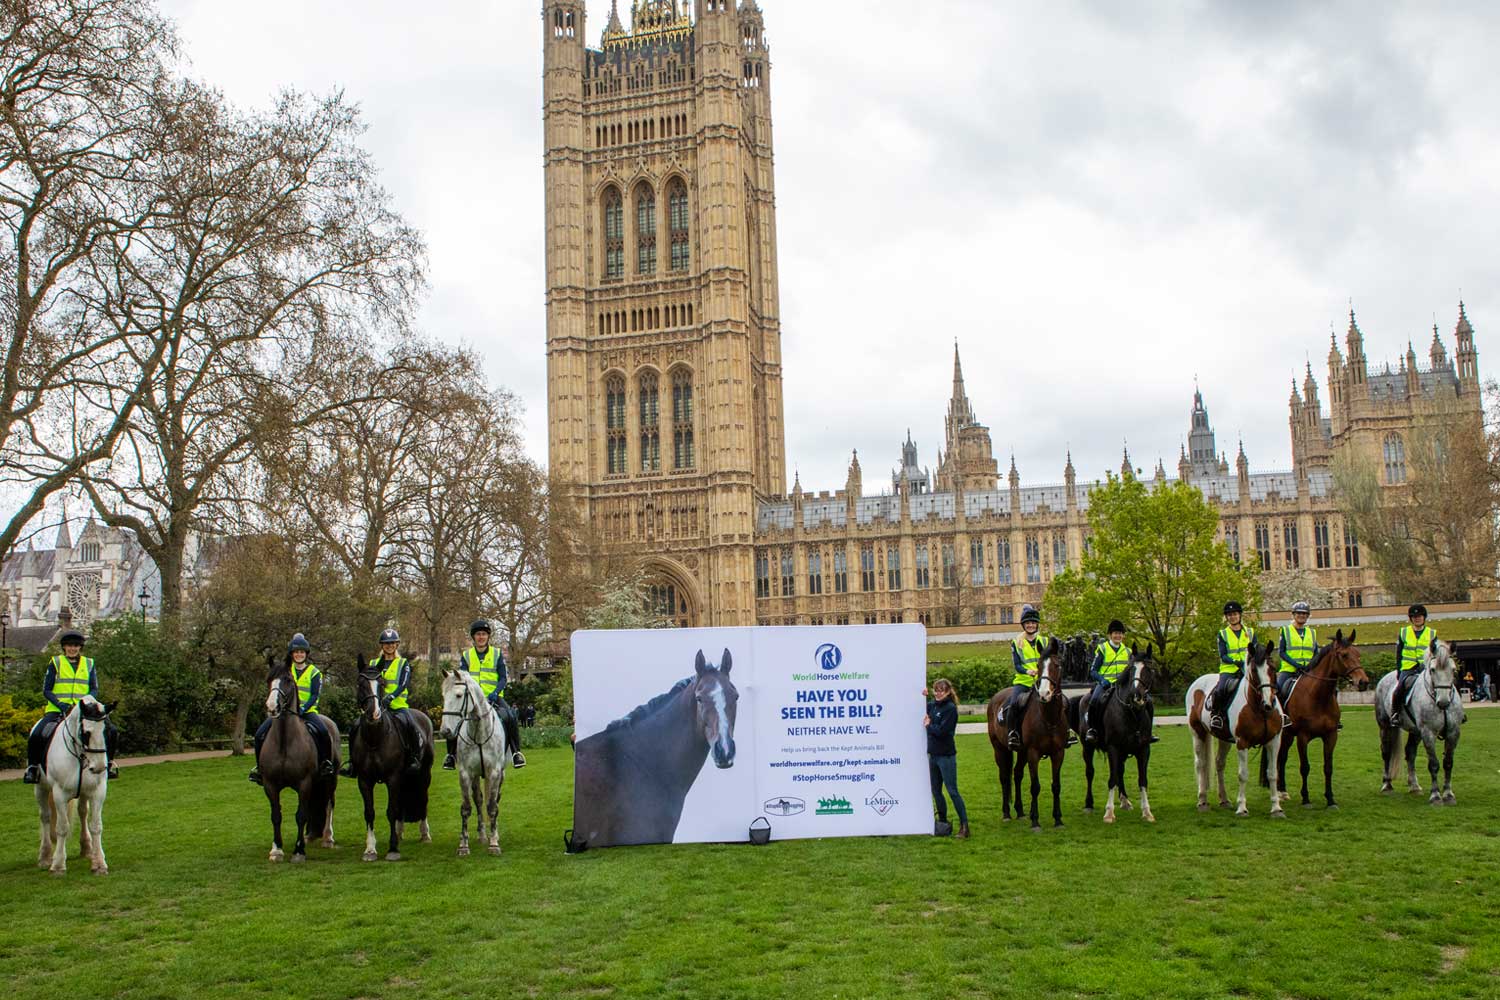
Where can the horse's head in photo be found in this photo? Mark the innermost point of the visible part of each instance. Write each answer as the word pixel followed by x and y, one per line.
pixel 1343 659
pixel 716 701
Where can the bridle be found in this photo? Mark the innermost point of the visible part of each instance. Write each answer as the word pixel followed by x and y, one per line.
pixel 282 695
pixel 466 719
pixel 77 744
pixel 1433 687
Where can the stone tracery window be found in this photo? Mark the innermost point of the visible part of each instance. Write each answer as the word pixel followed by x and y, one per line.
pixel 1395 460
pixel 614 421
pixel 645 229
pixel 683 456
pixel 650 396
pixel 677 208
pixel 614 234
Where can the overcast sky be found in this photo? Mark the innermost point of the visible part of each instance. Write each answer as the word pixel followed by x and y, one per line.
pixel 1100 201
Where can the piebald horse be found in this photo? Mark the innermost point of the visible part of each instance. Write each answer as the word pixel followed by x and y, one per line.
pixel 469 718
pixel 1314 710
pixel 76 769
pixel 1254 721
pixel 1433 712
pixel 1125 732
pixel 1044 733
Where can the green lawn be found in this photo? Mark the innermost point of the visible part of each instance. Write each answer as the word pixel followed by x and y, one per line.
pixel 1456 630
pixel 1387 896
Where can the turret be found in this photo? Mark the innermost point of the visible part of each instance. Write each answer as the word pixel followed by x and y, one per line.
pixel 1184 467
pixel 1468 357
pixel 1070 481
pixel 1242 467
pixel 1015 486
pixel 1127 471
pixel 1358 372
pixel 1413 378
pixel 1438 353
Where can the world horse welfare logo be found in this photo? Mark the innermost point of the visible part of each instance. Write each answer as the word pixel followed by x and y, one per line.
pixel 836 806
pixel 829 656
pixel 882 802
pixel 786 805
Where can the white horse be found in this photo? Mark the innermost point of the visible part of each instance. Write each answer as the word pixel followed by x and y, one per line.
pixel 76 769
pixel 470 718
pixel 1254 721
pixel 1434 711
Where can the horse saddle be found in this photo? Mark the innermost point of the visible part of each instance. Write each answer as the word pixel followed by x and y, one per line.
pixel 1286 684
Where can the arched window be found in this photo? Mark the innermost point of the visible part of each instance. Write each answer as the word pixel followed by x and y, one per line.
pixel 614 235
pixel 650 423
pixel 678 211
pixel 666 600
pixel 614 421
pixel 645 229
pixel 682 420
pixel 1395 459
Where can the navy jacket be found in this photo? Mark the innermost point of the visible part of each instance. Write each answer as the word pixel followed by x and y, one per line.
pixel 943 716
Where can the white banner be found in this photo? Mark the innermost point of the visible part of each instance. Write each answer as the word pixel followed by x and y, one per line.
pixel 818 729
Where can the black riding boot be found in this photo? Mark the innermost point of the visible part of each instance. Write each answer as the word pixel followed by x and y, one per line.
pixel 36 752
pixel 1091 722
pixel 450 762
pixel 1012 727
pixel 260 739
pixel 512 727
pixel 324 746
pixel 411 742
pixel 1398 699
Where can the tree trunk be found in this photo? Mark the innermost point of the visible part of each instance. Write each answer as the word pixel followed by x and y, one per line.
pixel 241 715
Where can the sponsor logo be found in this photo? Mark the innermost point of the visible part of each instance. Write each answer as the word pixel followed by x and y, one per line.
pixel 882 802
pixel 828 656
pixel 836 806
pixel 785 806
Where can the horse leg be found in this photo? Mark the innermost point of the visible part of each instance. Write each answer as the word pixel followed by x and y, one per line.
pixel 328 826
pixel 1273 748
pixel 367 792
pixel 1429 741
pixel 1241 806
pixel 1200 770
pixel 464 809
pixel 96 835
pixel 44 827
pixel 1116 770
pixel 393 818
pixel 85 844
pixel 299 849
pixel 1302 741
pixel 1142 761
pixel 1412 785
pixel 1387 759
pixel 274 794
pixel 1221 754
pixel 1088 778
pixel 1449 798
pixel 493 788
pixel 1033 761
pixel 61 829
pixel 1057 762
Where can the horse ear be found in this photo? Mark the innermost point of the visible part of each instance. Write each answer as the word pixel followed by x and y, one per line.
pixel 109 706
pixel 1135 650
pixel 288 661
pixel 1338 637
pixel 726 663
pixel 1433 647
pixel 700 665
pixel 361 661
pixel 1352 633
pixel 1452 649
pixel 1053 647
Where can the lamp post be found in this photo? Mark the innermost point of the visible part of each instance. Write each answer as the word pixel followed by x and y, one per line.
pixel 144 595
pixel 4 626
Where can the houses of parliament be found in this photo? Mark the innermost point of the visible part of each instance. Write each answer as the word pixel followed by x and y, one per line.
pixel 665 415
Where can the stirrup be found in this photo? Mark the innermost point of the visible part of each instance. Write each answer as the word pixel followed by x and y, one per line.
pixel 517 760
pixel 347 769
pixel 112 771
pixel 1072 740
pixel 1013 741
pixel 325 769
pixel 1092 736
pixel 33 775
pixel 413 763
pixel 254 776
pixel 449 764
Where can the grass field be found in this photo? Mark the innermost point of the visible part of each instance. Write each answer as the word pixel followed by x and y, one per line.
pixel 1372 633
pixel 1388 896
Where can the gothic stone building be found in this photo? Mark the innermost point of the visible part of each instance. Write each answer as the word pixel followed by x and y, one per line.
pixel 664 375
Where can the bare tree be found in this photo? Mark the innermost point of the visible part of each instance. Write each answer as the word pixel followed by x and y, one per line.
pixel 85 108
pixel 280 254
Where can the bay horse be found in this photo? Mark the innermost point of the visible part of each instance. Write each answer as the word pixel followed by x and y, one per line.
pixel 469 718
pixel 76 768
pixel 289 759
pixel 632 779
pixel 379 757
pixel 1313 708
pixel 1125 732
pixel 1433 712
pixel 1254 721
pixel 1044 733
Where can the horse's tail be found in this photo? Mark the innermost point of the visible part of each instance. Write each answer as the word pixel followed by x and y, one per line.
pixel 316 814
pixel 414 796
pixel 1073 703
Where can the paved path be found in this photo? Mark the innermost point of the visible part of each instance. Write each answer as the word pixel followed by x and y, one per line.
pixel 137 761
pixel 975 728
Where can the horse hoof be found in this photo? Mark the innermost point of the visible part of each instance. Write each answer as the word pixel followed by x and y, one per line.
pixel 1088 810
pixel 369 856
pixel 298 859
pixel 1309 805
pixel 1036 829
pixel 495 852
pixel 463 852
pixel 1449 799
pixel 329 844
pixel 1204 807
pixel 100 871
pixel 1333 807
pixel 1436 800
pixel 1148 817
pixel 1003 819
pixel 393 856
pixel 275 856
pixel 59 872
pixel 1278 814
pixel 1109 817
pixel 426 839
pixel 1242 813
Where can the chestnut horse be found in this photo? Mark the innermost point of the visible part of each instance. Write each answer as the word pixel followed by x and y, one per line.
pixel 1254 721
pixel 1314 710
pixel 1044 733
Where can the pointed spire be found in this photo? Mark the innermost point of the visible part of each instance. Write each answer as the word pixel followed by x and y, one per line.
pixel 614 29
pixel 1161 470
pixel 1463 318
pixel 1015 475
pixel 64 538
pixel 1127 470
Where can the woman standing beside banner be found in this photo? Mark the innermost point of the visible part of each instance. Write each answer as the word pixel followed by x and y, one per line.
pixel 942 756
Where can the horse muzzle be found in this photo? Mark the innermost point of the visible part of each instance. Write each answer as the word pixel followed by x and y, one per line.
pixel 724 754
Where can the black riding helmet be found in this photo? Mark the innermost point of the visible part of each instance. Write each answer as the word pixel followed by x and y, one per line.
pixel 299 641
pixel 480 625
pixel 71 635
pixel 1233 607
pixel 389 635
pixel 1115 626
pixel 1416 609
pixel 1030 614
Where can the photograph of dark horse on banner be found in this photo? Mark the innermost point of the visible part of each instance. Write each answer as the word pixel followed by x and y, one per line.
pixel 636 775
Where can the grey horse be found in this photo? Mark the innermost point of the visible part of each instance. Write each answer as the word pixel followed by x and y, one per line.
pixel 1433 712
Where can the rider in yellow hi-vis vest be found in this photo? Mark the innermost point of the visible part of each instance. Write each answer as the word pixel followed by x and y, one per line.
pixel 1296 649
pixel 395 682
pixel 68 678
pixel 1026 656
pixel 1412 644
pixel 309 680
pixel 1234 644
pixel 485 664
pixel 1111 661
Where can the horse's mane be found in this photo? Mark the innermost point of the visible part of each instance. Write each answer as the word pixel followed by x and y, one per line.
pixel 1318 656
pixel 642 711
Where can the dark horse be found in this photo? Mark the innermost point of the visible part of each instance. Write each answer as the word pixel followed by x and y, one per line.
pixel 1314 710
pixel 289 759
pixel 632 779
pixel 1125 732
pixel 379 756
pixel 1044 733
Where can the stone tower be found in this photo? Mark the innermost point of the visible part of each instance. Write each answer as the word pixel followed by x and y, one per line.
pixel 663 329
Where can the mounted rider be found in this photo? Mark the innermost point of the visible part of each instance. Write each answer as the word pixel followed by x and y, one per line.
pixel 1296 649
pixel 395 682
pixel 1412 644
pixel 1026 653
pixel 309 681
pixel 1234 645
pixel 68 678
pixel 1111 661
pixel 487 666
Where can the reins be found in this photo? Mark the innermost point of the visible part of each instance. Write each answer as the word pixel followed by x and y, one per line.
pixel 77 746
pixel 467 719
